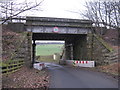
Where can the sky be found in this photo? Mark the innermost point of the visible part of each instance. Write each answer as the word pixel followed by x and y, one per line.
pixel 62 8
pixel 59 9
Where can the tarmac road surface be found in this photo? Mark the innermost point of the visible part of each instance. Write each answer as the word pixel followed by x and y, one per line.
pixel 67 77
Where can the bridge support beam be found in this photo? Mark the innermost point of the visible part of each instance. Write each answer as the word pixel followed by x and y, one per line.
pixel 69 50
pixel 29 50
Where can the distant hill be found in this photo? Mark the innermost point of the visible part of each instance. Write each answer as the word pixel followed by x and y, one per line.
pixel 41 43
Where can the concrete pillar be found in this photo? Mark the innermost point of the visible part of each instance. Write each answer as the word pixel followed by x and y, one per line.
pixel 68 50
pixel 29 50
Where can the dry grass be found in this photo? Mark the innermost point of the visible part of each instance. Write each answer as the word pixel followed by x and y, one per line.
pixel 47 59
pixel 112 68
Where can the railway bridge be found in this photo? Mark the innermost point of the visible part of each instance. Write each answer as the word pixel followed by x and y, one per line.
pixel 74 32
pixel 80 42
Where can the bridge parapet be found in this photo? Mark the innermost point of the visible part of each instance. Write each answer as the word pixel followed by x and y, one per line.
pixel 60 30
pixel 45 21
pixel 58 25
pixel 58 22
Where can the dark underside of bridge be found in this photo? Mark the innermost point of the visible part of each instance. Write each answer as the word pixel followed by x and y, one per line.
pixel 55 36
pixel 75 44
pixel 72 31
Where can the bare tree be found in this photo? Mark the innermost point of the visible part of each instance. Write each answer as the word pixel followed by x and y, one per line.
pixel 12 9
pixel 104 12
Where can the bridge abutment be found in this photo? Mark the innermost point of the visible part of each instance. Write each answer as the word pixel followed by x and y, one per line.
pixel 68 50
pixel 80 48
pixel 77 48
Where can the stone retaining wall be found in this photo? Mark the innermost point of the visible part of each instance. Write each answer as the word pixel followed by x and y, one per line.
pixel 15 44
pixel 100 51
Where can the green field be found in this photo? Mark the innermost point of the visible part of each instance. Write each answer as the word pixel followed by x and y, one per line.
pixel 48 49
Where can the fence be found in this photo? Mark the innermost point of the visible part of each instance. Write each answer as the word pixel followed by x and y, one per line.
pixel 11 66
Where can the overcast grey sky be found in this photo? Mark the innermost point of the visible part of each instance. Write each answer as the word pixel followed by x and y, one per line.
pixel 59 8
pixel 56 8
